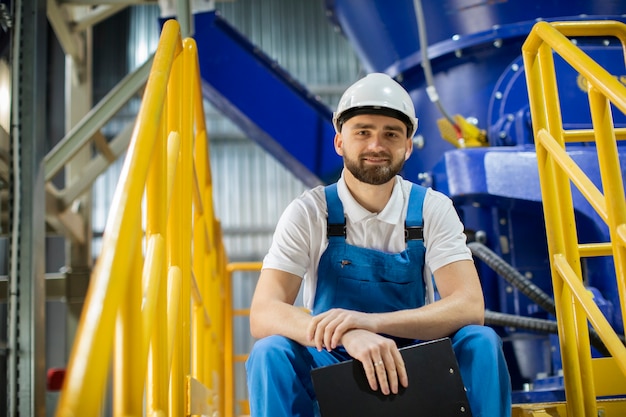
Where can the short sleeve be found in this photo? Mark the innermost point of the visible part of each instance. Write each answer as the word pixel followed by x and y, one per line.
pixel 444 235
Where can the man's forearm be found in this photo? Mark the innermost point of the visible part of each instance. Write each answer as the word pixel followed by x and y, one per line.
pixel 439 319
pixel 278 318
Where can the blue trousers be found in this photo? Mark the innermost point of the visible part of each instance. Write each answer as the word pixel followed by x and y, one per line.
pixel 279 381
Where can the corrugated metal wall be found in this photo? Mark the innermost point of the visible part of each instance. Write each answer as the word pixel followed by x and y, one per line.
pixel 251 189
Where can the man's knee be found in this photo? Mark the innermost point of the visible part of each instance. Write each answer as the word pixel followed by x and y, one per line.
pixel 270 349
pixel 477 337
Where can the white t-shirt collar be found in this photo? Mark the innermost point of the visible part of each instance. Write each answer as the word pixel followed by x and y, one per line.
pixel 356 213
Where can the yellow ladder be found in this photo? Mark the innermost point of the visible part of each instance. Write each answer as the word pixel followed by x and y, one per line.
pixel 586 379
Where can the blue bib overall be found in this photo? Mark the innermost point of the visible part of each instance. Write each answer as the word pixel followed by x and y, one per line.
pixel 370 281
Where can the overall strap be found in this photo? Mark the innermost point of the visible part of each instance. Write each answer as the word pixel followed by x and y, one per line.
pixel 414 223
pixel 413 226
pixel 336 222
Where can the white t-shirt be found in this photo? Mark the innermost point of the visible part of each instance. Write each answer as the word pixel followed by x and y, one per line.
pixel 300 237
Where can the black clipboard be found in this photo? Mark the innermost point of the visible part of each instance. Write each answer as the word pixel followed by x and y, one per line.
pixel 435 386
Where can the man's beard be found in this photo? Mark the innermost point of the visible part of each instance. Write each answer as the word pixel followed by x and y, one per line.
pixel 374 175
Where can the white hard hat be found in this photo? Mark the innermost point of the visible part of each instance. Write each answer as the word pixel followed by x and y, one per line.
pixel 376 93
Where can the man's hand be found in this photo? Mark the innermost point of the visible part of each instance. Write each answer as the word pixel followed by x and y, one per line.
pixel 327 329
pixel 381 359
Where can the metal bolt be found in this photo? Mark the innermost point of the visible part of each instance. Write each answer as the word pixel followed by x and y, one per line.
pixel 426 180
pixel 418 141
pixel 6 22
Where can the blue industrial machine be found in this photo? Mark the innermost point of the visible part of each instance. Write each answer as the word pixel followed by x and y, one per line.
pixel 472 67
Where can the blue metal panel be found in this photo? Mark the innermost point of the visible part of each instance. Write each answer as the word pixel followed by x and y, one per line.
pixel 384 32
pixel 265 102
pixel 508 117
pixel 507 178
pixel 474 48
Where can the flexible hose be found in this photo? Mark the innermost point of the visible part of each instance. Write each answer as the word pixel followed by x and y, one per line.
pixel 512 276
pixel 526 287
pixel 493 318
pixel 428 72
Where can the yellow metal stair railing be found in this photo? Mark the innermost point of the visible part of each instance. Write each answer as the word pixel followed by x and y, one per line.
pixel 154 311
pixel 231 357
pixel 585 378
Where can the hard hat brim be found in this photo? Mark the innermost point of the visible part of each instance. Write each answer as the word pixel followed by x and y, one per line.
pixel 384 111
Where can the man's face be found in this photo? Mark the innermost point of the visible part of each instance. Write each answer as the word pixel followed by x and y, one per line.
pixel 373 147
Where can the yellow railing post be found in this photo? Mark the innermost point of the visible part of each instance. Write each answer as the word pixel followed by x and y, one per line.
pixel 157 296
pixel 89 362
pixel 154 303
pixel 612 182
pixel 545 91
pixel 185 235
pixel 156 212
pixel 557 173
pixel 174 231
pixel 229 360
pixel 128 373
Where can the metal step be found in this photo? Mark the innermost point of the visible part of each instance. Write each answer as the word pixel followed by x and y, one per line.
pixel 614 407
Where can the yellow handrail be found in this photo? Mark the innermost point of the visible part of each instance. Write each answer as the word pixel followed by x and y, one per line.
pixel 231 358
pixel 154 311
pixel 557 171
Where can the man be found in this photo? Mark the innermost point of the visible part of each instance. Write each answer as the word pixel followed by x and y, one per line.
pixel 363 273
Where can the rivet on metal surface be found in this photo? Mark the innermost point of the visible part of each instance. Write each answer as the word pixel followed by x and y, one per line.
pixel 418 141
